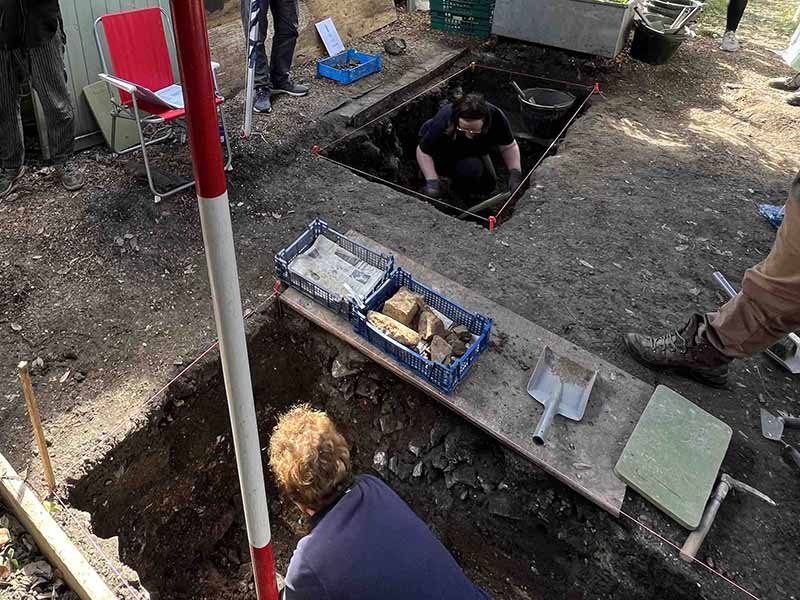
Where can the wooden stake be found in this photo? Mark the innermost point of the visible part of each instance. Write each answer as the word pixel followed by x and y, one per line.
pixel 38 432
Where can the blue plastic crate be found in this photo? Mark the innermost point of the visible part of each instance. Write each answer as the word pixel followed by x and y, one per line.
pixel 370 63
pixel 443 377
pixel 332 300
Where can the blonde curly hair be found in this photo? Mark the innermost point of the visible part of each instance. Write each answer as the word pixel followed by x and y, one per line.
pixel 309 457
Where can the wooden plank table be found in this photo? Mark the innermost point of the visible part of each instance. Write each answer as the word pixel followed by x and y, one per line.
pixel 494 398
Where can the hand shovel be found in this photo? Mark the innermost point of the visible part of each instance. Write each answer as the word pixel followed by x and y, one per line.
pixel 562 386
pixel 772 429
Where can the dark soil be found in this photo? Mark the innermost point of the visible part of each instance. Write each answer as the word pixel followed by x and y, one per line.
pixel 654 188
pixel 170 492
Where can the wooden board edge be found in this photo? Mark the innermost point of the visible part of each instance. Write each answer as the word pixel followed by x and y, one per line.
pixel 54 544
pixel 612 506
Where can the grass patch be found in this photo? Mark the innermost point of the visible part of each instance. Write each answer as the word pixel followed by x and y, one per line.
pixel 775 17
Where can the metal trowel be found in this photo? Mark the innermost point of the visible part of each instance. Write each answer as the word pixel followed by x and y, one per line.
pixel 562 386
pixel 772 426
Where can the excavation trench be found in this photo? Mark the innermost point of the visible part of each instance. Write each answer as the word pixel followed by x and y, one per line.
pixel 385 150
pixel 169 490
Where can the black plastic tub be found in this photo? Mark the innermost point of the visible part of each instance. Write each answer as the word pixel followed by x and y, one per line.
pixel 545 111
pixel 654 47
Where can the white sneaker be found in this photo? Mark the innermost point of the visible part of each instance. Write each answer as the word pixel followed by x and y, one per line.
pixel 729 42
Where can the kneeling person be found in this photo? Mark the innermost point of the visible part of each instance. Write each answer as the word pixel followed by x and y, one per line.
pixel 365 542
pixel 456 144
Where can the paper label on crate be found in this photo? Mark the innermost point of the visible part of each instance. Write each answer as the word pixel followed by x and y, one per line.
pixel 336 270
pixel 330 37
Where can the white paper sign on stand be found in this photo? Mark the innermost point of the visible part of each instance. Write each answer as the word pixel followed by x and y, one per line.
pixel 330 37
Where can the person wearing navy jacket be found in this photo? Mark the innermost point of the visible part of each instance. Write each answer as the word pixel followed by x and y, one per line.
pixel 365 542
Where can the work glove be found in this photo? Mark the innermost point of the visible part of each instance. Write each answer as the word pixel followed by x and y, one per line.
pixel 432 188
pixel 514 179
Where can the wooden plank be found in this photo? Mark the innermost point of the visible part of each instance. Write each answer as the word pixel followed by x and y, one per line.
pixel 353 19
pixel 494 398
pixel 385 98
pixel 49 537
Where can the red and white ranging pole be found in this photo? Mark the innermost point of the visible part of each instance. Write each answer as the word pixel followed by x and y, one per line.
pixel 198 89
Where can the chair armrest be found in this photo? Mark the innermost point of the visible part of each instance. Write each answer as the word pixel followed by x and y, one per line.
pixel 214 66
pixel 118 83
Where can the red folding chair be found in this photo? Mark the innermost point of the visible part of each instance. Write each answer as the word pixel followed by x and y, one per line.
pixel 136 44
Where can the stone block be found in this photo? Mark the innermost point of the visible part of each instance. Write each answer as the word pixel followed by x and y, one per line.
pixel 430 325
pixel 441 351
pixel 403 306
pixel 394 329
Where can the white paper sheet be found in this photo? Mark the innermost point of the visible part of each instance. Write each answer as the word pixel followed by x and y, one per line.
pixel 330 37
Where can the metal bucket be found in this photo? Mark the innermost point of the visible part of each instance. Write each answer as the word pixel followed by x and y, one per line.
pixel 545 110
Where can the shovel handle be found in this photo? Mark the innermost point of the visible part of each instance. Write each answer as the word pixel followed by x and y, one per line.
pixel 791 422
pixel 696 538
pixel 544 422
pixel 791 456
pixel 724 284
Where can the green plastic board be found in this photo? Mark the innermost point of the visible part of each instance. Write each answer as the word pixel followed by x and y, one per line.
pixel 673 455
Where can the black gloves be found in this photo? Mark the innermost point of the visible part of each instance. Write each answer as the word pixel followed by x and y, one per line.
pixel 514 179
pixel 432 188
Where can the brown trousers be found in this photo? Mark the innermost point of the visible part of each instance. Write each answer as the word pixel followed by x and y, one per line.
pixel 768 306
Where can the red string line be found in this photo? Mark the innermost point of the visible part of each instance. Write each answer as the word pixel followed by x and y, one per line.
pixel 405 190
pixel 138 408
pixel 544 154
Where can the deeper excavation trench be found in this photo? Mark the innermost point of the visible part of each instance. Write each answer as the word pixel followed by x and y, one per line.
pixel 385 151
pixel 170 489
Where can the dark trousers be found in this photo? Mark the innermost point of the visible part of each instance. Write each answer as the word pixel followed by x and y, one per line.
pixel 44 67
pixel 285 16
pixel 470 176
pixel 735 13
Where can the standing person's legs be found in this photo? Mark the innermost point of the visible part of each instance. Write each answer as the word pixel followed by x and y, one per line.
pixel 769 305
pixel 767 309
pixel 286 17
pixel 262 64
pixel 49 79
pixel 735 12
pixel 12 149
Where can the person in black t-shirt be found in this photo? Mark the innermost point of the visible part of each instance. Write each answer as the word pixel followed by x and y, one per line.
pixel 32 47
pixel 456 144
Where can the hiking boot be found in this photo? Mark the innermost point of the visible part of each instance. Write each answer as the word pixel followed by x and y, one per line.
pixel 682 352
pixel 291 88
pixel 9 179
pixel 262 102
pixel 729 42
pixel 787 84
pixel 793 100
pixel 70 177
